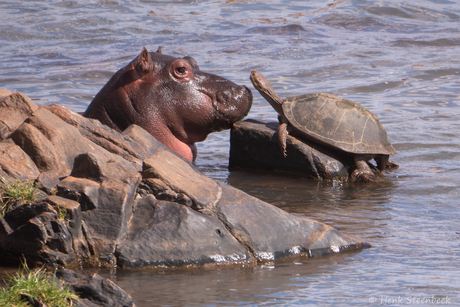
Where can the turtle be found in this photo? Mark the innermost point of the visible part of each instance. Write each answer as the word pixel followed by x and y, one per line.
pixel 338 123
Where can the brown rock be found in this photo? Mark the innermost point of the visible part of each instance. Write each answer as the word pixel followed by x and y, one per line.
pixel 66 140
pixel 134 144
pixel 14 108
pixel 108 223
pixel 15 163
pixel 4 93
pixel 84 191
pixel 48 181
pixel 182 177
pixel 39 149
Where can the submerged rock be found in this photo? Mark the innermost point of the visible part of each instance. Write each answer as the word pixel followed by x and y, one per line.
pixel 126 200
pixel 94 290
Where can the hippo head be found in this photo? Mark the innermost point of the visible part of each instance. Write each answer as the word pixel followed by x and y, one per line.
pixel 172 99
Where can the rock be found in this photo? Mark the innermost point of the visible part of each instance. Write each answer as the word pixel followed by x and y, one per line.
pixel 84 191
pixel 182 177
pixel 134 144
pixel 15 164
pixel 108 223
pixel 37 233
pixel 15 108
pixel 305 159
pixel 4 93
pixel 93 290
pixel 38 148
pixel 169 234
pixel 48 181
pixel 278 234
pixel 126 200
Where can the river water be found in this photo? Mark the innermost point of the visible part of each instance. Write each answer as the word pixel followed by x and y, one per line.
pixel 400 59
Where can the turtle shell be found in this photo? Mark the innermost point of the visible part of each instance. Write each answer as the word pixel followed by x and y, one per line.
pixel 337 123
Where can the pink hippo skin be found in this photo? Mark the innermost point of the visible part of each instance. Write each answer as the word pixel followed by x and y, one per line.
pixel 172 99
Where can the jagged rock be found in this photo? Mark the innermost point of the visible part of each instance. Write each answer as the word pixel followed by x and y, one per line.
pixel 161 191
pixel 5 93
pixel 134 144
pixel 109 223
pixel 182 177
pixel 15 164
pixel 94 291
pixel 74 222
pixel 84 191
pixel 305 159
pixel 36 232
pixel 48 181
pixel 39 149
pixel 15 108
pixel 125 199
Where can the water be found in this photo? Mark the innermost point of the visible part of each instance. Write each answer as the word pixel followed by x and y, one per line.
pixel 400 59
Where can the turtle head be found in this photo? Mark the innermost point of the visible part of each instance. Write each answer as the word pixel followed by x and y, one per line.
pixel 267 91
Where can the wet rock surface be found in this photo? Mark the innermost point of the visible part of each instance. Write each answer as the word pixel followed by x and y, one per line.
pixel 254 146
pixel 126 200
pixel 93 290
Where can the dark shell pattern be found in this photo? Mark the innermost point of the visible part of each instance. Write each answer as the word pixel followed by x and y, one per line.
pixel 338 123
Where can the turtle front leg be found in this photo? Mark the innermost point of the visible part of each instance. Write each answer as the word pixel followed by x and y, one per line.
pixel 282 136
pixel 362 172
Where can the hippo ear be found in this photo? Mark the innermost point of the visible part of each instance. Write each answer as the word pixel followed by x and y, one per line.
pixel 144 61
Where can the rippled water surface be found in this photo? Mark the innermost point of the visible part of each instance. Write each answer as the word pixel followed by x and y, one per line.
pixel 400 59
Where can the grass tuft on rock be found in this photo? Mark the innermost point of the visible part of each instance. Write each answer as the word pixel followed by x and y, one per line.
pixel 32 287
pixel 11 192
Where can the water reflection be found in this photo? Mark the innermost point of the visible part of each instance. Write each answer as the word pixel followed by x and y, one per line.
pixel 273 283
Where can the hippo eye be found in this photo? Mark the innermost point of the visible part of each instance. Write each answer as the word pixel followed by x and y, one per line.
pixel 181 70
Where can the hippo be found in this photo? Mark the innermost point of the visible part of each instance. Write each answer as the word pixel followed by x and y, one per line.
pixel 172 99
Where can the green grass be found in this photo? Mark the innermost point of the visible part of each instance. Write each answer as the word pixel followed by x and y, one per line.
pixel 38 284
pixel 13 191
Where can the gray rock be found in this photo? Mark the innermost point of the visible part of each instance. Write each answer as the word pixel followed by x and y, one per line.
pixel 93 290
pixel 254 146
pixel 169 234
pixel 271 233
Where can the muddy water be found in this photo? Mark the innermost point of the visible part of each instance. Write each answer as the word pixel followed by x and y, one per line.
pixel 400 59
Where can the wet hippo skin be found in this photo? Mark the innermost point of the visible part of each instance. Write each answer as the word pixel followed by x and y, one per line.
pixel 172 99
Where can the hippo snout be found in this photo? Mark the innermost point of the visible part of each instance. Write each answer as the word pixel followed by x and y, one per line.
pixel 234 103
pixel 249 98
